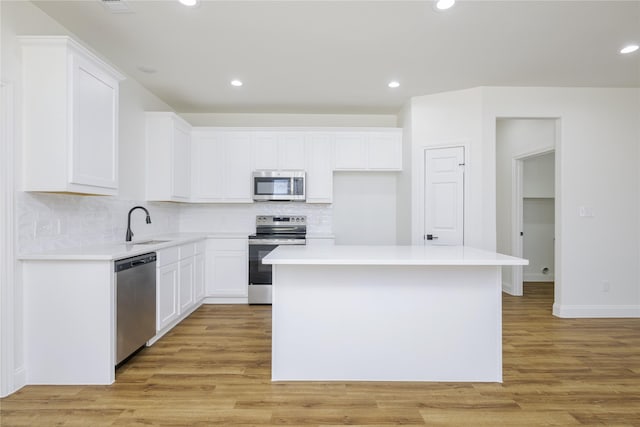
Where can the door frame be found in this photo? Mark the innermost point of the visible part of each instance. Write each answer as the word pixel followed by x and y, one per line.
pixel 419 192
pixel 517 212
pixel 9 381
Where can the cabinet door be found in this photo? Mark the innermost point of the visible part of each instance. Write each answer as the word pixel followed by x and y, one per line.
pixel 265 148
pixel 228 272
pixel 209 166
pixel 350 151
pixel 238 167
pixel 181 164
pixel 95 126
pixel 198 278
pixel 319 168
pixel 291 149
pixel 186 294
pixel 384 151
pixel 167 297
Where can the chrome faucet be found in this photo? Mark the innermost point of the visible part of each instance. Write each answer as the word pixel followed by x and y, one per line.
pixel 129 232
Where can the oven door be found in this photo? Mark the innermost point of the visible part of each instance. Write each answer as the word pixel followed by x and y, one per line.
pixel 259 273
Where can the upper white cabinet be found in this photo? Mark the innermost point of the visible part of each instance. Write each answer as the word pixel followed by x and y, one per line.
pixel 222 165
pixel 369 150
pixel 279 150
pixel 70 105
pixel 168 149
pixel 319 167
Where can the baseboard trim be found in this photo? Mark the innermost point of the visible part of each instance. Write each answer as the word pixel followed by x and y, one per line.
pixel 508 289
pixel 223 300
pixel 538 278
pixel 596 311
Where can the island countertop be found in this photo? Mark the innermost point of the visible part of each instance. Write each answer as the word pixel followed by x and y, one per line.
pixel 388 255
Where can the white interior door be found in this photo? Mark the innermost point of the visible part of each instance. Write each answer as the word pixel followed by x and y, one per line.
pixel 444 196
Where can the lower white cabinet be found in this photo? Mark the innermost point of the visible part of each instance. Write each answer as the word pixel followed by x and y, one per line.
pixel 166 295
pixel 186 297
pixel 227 270
pixel 179 284
pixel 199 277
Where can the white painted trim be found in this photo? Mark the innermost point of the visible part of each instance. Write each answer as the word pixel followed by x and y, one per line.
pixel 600 311
pixel 224 300
pixel 11 379
pixel 538 277
pixel 516 288
pixel 517 211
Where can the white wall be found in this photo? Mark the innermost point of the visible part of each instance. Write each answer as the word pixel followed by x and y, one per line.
pixel 451 119
pixel 538 216
pixel 293 120
pixel 241 218
pixel 364 208
pixel 539 176
pixel 404 183
pixel 596 157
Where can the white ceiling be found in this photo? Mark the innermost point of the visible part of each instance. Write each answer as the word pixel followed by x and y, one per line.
pixel 327 56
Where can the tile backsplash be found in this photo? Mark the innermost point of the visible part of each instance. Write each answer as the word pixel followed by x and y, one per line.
pixel 62 221
pixel 242 217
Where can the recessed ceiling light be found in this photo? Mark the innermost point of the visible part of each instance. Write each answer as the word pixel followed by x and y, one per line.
pixel 444 4
pixel 394 84
pixel 147 70
pixel 236 83
pixel 189 3
pixel 630 48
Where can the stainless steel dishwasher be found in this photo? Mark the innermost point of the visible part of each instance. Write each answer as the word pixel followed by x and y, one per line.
pixel 135 303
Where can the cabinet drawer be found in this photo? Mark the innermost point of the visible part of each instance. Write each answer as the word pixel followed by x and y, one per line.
pixel 187 250
pixel 227 244
pixel 167 256
pixel 201 246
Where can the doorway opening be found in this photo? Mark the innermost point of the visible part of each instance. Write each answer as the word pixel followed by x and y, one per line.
pixel 526 205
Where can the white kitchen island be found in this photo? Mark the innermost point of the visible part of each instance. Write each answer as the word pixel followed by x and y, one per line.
pixel 387 313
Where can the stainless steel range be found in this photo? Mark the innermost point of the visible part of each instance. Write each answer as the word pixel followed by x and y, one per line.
pixel 271 231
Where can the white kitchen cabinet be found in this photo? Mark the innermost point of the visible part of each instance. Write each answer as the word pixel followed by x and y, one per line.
pixel 227 270
pixel 167 295
pixel 368 151
pixel 70 106
pixel 222 166
pixel 168 157
pixel 351 151
pixel 319 167
pixel 199 276
pixel 186 295
pixel 279 150
pixel 384 151
pixel 179 284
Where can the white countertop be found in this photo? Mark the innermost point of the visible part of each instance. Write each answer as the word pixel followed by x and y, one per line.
pixel 113 251
pixel 388 255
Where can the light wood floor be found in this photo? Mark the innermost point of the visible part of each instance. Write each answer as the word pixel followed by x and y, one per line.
pixel 214 369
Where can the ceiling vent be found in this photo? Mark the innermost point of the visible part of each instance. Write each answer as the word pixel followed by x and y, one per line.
pixel 117 6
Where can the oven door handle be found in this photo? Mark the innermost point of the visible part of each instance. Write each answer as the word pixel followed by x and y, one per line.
pixel 275 242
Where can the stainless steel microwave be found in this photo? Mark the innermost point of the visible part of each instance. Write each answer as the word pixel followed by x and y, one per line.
pixel 278 185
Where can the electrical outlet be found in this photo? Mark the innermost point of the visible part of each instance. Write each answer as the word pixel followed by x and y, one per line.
pixel 44 228
pixel 606 286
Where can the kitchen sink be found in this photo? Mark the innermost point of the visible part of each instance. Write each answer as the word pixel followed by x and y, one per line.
pixel 148 242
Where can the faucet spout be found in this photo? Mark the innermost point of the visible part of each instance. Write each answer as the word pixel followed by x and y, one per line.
pixel 129 235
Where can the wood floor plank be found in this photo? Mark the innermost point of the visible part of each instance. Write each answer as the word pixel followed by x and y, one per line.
pixel 215 368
